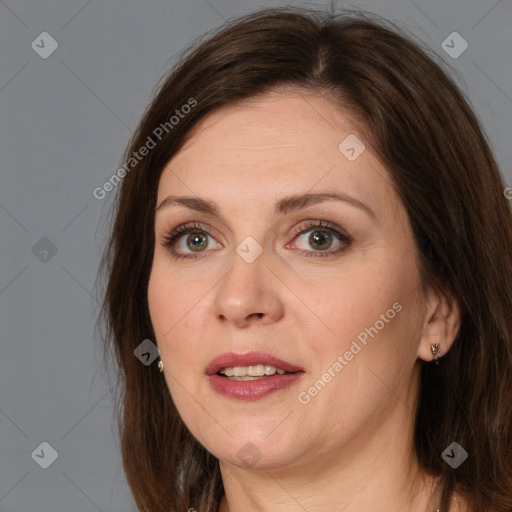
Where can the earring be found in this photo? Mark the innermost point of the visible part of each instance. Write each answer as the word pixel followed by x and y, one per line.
pixel 161 365
pixel 435 352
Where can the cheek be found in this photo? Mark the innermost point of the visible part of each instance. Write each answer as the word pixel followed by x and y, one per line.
pixel 166 302
pixel 170 299
pixel 351 300
pixel 160 301
pixel 169 303
pixel 175 308
pixel 369 317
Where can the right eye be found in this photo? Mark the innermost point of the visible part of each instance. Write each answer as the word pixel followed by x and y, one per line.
pixel 197 241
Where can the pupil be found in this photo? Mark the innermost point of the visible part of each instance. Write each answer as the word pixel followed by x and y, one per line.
pixel 195 237
pixel 319 238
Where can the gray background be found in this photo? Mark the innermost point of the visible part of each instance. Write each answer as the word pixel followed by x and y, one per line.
pixel 64 123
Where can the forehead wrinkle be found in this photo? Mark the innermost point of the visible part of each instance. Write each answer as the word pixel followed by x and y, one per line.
pixel 266 146
pixel 248 107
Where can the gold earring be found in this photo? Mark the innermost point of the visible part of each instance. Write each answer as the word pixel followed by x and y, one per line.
pixel 161 365
pixel 435 352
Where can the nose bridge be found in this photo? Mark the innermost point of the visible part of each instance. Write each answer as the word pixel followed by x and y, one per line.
pixel 246 292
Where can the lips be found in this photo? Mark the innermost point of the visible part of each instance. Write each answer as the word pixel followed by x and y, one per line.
pixel 251 389
pixel 250 359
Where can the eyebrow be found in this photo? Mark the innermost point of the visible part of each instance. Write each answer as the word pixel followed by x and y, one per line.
pixel 282 207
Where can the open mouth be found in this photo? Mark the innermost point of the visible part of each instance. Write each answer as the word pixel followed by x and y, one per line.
pixel 251 376
pixel 253 372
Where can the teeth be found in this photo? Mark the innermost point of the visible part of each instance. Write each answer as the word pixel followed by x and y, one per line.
pixel 259 370
pixel 269 370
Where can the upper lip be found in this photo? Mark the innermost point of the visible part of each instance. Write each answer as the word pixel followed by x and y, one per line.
pixel 230 359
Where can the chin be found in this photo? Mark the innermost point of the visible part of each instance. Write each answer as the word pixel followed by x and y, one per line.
pixel 258 453
pixel 251 457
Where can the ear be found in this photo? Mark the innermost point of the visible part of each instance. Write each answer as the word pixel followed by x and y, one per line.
pixel 442 323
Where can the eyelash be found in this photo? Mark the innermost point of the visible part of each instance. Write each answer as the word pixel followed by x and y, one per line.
pixel 170 238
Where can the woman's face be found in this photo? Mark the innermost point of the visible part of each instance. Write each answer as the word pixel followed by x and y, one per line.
pixel 327 290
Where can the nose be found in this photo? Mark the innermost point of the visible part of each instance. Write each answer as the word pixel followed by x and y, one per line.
pixel 249 293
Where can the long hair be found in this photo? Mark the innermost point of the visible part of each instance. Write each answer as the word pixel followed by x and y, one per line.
pixel 426 135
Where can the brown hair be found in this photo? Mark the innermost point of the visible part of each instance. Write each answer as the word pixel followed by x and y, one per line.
pixel 426 135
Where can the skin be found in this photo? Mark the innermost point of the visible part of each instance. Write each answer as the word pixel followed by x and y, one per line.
pixel 350 448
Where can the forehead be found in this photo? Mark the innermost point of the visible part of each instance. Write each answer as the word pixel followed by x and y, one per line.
pixel 273 145
pixel 274 124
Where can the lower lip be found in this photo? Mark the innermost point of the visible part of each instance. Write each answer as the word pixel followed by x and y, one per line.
pixel 252 389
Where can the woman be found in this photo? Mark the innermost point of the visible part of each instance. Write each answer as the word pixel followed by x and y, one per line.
pixel 316 238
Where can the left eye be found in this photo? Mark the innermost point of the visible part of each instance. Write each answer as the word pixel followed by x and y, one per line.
pixel 321 238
